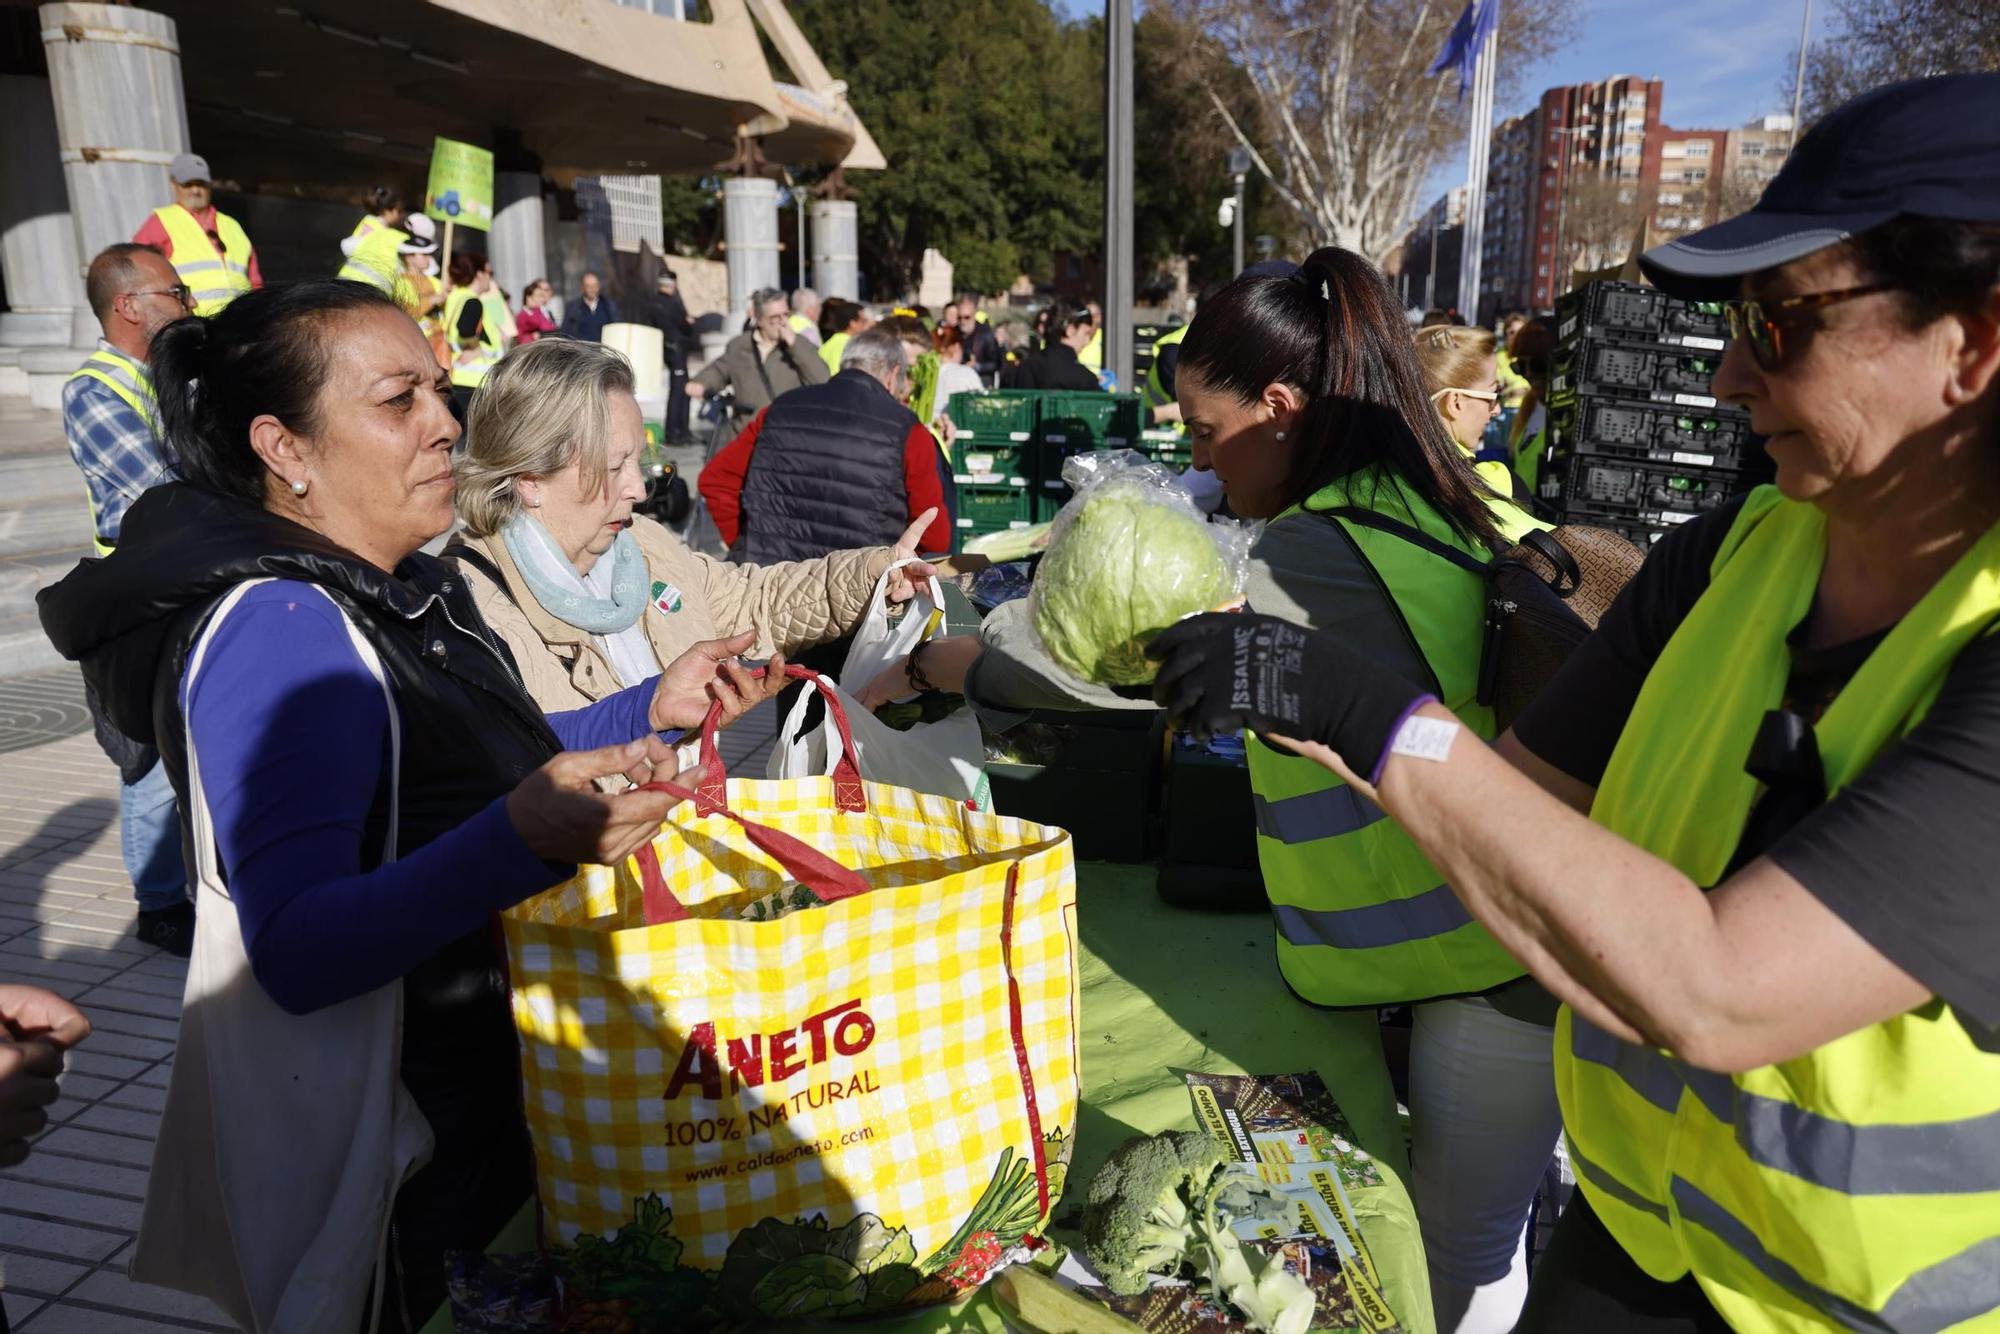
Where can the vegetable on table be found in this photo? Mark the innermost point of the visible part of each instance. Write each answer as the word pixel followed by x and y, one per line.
pixel 1142 1208
pixel 1040 1304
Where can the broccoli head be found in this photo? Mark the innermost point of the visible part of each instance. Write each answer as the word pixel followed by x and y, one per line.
pixel 1141 1213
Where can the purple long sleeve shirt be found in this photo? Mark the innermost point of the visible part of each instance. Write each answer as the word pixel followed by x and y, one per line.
pixel 292 734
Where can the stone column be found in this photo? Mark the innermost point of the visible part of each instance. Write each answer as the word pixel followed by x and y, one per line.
pixel 836 259
pixel 750 238
pixel 37 237
pixel 115 73
pixel 517 244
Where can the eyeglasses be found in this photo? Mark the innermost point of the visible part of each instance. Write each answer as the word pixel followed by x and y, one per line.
pixel 1761 324
pixel 179 292
pixel 1484 395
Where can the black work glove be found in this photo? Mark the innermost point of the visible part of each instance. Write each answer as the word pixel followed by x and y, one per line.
pixel 1222 671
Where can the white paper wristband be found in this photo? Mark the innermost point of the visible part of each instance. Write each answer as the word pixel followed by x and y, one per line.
pixel 1424 738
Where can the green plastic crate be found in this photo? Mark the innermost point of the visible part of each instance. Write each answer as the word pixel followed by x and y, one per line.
pixel 985 508
pixel 1047 503
pixel 1075 421
pixel 986 462
pixel 996 417
pixel 1169 447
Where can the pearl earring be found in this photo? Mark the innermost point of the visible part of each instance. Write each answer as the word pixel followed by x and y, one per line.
pixel 299 487
pixel 1281 435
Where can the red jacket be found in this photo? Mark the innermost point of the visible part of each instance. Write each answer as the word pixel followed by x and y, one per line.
pixel 722 484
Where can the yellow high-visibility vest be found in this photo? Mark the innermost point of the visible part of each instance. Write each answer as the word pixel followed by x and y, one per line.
pixel 1856 1186
pixel 215 277
pixel 377 259
pixel 131 381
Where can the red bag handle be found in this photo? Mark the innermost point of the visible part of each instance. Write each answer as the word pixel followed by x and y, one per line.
pixel 711 798
pixel 825 877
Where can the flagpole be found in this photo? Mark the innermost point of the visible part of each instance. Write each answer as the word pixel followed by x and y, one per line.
pixel 1478 150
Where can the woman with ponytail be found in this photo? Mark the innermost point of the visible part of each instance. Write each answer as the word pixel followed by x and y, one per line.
pixel 1301 390
pixel 365 783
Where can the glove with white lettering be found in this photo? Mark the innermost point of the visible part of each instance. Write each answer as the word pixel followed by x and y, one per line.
pixel 1222 671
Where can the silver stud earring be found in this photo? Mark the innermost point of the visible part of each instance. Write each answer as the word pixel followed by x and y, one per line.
pixel 299 487
pixel 1281 435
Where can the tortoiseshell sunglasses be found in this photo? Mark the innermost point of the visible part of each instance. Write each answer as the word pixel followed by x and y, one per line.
pixel 1761 323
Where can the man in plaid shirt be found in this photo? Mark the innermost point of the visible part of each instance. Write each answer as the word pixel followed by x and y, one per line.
pixel 108 417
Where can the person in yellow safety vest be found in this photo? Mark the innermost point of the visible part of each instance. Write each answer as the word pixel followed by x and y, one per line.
pixel 1532 354
pixel 206 246
pixel 372 250
pixel 1162 410
pixel 418 290
pixel 1774 930
pixel 473 330
pixel 1091 355
pixel 804 318
pixel 848 318
pixel 111 420
pixel 1301 391
pixel 1513 385
pixel 1460 364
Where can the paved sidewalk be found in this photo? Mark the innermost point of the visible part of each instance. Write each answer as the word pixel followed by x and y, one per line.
pixel 69 1213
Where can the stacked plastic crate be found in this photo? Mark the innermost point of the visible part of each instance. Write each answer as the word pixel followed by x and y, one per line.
pixel 1076 422
pixel 1637 439
pixel 993 459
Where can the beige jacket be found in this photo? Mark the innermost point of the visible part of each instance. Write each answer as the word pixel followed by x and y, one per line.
pixel 791 606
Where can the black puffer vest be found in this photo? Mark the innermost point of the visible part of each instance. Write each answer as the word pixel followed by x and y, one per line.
pixel 470 734
pixel 827 473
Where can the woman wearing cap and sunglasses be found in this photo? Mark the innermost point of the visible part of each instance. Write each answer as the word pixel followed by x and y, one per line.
pixel 1779 1056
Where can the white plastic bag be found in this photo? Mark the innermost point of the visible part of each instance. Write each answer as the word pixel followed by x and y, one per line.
pixel 946 757
pixel 888 633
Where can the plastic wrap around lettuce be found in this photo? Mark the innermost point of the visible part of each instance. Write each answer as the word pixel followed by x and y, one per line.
pixel 1129 556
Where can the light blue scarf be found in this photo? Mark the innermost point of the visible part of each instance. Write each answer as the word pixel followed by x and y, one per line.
pixel 560 589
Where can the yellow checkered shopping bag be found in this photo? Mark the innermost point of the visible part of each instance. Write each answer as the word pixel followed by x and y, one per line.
pixel 812 1051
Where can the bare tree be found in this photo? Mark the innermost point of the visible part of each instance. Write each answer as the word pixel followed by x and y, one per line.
pixel 1602 218
pixel 1342 93
pixel 1873 42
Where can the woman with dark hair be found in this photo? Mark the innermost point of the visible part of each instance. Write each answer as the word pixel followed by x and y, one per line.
pixel 371 250
pixel 954 375
pixel 1303 393
pixel 1069 330
pixel 533 320
pixel 1531 354
pixel 477 327
pixel 1774 930
pixel 367 783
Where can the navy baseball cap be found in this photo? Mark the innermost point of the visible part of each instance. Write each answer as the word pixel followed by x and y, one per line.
pixel 1928 147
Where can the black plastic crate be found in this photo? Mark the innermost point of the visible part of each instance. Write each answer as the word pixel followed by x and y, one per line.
pixel 1676 376
pixel 1644 431
pixel 1099 779
pixel 1635 313
pixel 1642 495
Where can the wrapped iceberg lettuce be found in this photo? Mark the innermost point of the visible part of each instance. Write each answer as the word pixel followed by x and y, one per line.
pixel 1129 555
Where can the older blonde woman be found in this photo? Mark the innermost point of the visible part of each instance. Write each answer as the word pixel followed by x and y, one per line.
pixel 589 596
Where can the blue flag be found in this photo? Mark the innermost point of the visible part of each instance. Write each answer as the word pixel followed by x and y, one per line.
pixel 1461 48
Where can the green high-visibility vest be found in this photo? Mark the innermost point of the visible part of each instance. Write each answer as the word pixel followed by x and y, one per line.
pixel 131 381
pixel 377 259
pixel 1857 1186
pixel 1362 916
pixel 1156 390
